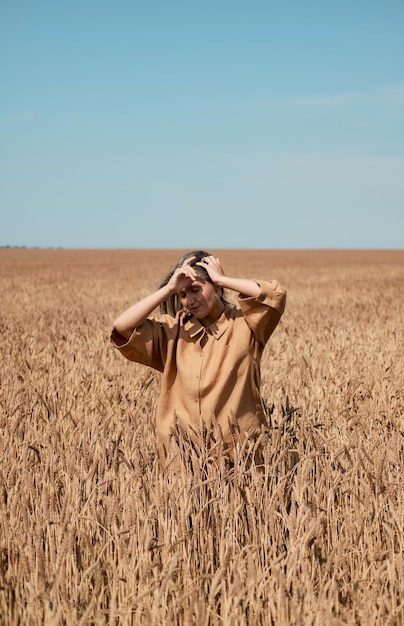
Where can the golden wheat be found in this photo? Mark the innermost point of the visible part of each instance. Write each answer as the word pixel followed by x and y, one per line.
pixel 92 531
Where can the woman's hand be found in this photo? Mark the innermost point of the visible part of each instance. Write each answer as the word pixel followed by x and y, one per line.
pixel 182 277
pixel 244 286
pixel 212 265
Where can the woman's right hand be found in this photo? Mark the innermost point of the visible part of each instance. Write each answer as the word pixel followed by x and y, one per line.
pixel 182 277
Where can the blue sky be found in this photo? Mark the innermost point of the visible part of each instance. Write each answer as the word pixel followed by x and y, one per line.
pixel 179 124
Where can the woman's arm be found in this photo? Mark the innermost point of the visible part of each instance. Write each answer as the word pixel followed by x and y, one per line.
pixel 245 286
pixel 136 314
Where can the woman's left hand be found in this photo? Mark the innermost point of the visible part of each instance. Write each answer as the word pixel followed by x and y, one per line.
pixel 213 266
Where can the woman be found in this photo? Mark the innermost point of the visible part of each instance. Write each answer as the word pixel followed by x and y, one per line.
pixel 208 351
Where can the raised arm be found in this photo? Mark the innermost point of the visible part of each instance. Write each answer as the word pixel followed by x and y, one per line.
pixel 137 313
pixel 245 286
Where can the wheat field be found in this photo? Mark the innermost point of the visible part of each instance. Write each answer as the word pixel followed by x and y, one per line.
pixel 92 531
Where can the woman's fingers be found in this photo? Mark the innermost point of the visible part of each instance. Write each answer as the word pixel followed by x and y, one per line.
pixel 212 266
pixel 187 271
pixel 183 276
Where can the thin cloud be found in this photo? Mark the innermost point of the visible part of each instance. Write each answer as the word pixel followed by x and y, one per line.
pixel 332 174
pixel 336 101
pixel 19 117
pixel 395 94
pixel 392 95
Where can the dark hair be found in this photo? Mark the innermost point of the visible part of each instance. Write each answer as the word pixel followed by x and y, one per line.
pixel 173 304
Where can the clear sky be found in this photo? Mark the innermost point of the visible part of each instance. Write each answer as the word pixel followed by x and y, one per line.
pixel 215 124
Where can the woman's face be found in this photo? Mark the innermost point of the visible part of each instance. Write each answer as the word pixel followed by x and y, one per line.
pixel 200 298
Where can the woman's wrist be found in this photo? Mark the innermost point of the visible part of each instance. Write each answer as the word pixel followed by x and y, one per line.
pixel 166 292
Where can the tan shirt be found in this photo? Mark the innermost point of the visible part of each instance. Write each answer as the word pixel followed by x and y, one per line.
pixel 209 371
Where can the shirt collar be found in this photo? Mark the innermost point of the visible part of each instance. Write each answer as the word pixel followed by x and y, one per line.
pixel 193 326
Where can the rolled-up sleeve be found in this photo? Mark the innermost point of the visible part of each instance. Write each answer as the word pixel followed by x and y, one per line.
pixel 145 345
pixel 263 312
